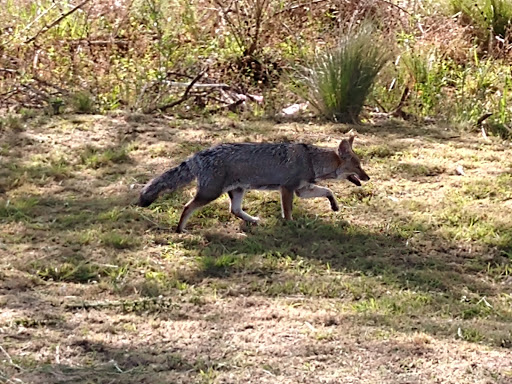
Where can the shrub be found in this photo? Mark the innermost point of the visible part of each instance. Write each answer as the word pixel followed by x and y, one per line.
pixel 83 102
pixel 340 79
pixel 494 16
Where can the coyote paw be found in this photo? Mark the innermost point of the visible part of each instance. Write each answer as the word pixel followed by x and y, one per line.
pixel 254 220
pixel 334 204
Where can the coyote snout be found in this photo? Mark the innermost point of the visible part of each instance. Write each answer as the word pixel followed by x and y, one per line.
pixel 294 169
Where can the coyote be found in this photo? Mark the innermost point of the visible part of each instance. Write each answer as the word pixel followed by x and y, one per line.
pixel 235 168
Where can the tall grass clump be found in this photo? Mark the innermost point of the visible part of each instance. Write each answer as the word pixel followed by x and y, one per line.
pixel 340 79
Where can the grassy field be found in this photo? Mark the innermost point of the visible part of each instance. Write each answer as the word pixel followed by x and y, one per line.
pixel 411 282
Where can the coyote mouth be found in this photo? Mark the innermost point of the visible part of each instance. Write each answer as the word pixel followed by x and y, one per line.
pixel 353 179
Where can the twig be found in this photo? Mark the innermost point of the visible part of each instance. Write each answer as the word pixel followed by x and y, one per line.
pixel 396 6
pixel 380 105
pixel 96 42
pixel 9 70
pixel 257 28
pixel 3 376
pixel 43 95
pixel 53 24
pixel 157 82
pixel 46 83
pixel 7 95
pixel 158 226
pixel 114 363
pixel 479 122
pixel 121 20
pixel 295 6
pixel 40 81
pixel 9 359
pixel 229 106
pixel 235 29
pixel 37 18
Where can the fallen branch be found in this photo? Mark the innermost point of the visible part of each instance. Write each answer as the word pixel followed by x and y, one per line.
pixel 200 85
pixel 482 118
pixel 59 19
pixel 43 95
pixel 182 98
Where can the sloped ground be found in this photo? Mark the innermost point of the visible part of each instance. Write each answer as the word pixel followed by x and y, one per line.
pixel 409 283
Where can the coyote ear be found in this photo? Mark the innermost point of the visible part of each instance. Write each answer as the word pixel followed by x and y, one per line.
pixel 345 148
pixel 351 139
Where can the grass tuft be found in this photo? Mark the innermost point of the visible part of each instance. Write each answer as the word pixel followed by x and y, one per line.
pixel 83 102
pixel 118 240
pixel 340 79
pixel 94 158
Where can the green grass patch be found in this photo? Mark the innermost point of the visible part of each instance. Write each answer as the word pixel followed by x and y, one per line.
pixel 19 209
pixel 41 168
pixel 419 170
pixel 12 122
pixel 93 157
pixel 74 270
pixel 119 240
pixel 222 265
pixel 375 152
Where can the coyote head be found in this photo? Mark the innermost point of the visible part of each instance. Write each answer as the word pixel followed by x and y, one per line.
pixel 350 168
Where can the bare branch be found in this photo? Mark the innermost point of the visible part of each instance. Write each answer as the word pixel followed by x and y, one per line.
pixel 59 19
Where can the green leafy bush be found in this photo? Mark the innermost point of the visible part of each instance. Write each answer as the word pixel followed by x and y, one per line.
pixel 487 15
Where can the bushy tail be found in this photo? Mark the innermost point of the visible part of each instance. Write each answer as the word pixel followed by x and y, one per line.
pixel 171 179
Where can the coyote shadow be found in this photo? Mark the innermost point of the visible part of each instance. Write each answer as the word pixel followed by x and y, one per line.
pixel 346 248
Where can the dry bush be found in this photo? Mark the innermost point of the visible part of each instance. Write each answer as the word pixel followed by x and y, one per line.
pixel 125 52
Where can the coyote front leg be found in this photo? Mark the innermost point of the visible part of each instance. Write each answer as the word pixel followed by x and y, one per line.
pixel 311 190
pixel 286 202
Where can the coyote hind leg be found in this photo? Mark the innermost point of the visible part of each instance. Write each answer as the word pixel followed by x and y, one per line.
pixel 200 200
pixel 236 196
